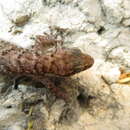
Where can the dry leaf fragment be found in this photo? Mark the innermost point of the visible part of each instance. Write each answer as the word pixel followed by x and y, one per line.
pixel 124 79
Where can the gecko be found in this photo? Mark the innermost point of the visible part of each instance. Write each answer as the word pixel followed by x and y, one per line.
pixel 40 63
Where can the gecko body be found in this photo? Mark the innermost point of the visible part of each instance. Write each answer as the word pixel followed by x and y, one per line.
pixel 62 62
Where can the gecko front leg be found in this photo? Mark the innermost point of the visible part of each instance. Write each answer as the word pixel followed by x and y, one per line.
pixel 44 42
pixel 49 82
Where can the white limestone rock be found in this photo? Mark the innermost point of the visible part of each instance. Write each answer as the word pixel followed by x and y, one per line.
pixel 15 127
pixel 120 55
pixel 92 10
pixel 56 110
pixel 122 94
pixel 126 10
pixel 113 11
pixel 19 12
pixel 109 72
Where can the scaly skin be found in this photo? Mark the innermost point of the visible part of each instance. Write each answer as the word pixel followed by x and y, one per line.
pixel 62 62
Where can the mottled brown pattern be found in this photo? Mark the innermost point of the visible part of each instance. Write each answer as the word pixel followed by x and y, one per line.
pixel 60 62
pixel 46 40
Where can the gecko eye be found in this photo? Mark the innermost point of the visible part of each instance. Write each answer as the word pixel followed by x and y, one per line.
pixel 76 52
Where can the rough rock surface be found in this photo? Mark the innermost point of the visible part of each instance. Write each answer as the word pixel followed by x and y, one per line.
pixel 97 102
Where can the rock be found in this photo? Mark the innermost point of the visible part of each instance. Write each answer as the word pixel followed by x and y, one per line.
pixel 122 94
pixel 126 9
pixel 19 13
pixel 15 8
pixel 110 72
pixel 15 127
pixel 112 10
pixel 45 113
pixel 10 116
pixel 120 55
pixel 56 110
pixel 94 16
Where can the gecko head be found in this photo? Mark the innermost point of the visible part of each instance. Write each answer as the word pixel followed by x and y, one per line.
pixel 71 61
pixel 81 61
